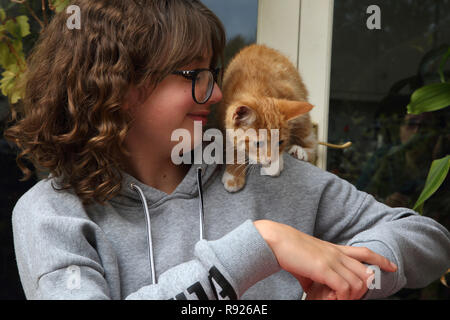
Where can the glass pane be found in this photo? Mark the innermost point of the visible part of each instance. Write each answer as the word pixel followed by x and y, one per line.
pixel 373 74
pixel 240 20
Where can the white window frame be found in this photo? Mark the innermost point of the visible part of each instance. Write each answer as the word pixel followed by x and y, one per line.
pixel 302 29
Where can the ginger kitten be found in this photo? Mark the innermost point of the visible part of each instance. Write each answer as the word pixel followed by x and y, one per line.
pixel 262 89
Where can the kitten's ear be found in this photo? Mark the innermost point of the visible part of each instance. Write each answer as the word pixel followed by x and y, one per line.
pixel 294 109
pixel 244 116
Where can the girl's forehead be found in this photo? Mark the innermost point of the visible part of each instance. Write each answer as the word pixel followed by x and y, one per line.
pixel 200 60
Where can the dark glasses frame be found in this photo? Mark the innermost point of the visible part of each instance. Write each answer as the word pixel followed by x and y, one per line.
pixel 192 75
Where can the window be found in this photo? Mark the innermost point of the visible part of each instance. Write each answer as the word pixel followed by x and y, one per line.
pixel 373 74
pixel 360 81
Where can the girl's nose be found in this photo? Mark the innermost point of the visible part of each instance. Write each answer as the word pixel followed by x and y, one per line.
pixel 216 95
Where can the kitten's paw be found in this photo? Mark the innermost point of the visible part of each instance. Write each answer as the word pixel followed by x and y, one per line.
pixel 232 183
pixel 268 171
pixel 274 169
pixel 298 152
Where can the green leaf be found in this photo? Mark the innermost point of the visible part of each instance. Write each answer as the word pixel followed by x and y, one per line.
pixel 13 28
pixel 2 14
pixel 436 176
pixel 18 46
pixel 15 96
pixel 6 57
pixel 18 27
pixel 60 5
pixel 7 82
pixel 24 26
pixel 442 65
pixel 430 98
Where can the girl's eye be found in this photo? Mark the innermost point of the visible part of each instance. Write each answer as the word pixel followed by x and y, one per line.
pixel 281 142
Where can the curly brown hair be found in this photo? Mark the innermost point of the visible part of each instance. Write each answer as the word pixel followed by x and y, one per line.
pixel 71 121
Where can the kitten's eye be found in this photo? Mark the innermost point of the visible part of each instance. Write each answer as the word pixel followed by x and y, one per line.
pixel 259 143
pixel 281 142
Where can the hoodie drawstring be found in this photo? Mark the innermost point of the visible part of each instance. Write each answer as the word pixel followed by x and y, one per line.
pixel 200 195
pixel 149 227
pixel 149 230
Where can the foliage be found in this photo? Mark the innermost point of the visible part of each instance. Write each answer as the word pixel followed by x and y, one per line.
pixel 436 176
pixel 430 98
pixel 13 30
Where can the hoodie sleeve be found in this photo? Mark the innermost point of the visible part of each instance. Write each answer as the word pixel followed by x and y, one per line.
pixel 418 245
pixel 59 257
pixel 223 269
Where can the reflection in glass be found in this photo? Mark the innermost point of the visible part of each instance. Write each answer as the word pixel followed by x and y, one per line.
pixel 240 20
pixel 373 74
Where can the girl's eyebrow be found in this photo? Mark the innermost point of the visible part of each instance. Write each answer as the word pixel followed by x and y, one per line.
pixel 198 59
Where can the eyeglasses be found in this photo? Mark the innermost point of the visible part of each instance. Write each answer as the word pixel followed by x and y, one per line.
pixel 202 82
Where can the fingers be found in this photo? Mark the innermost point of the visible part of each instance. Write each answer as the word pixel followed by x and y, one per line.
pixel 337 282
pixel 341 284
pixel 348 280
pixel 368 256
pixel 305 283
pixel 355 279
pixel 319 291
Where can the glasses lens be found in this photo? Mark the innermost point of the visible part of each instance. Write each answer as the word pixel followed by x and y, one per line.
pixel 204 84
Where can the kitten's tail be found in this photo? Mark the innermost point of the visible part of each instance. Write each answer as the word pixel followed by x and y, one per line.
pixel 336 146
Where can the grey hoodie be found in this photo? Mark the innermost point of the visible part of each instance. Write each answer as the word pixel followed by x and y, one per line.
pixel 65 250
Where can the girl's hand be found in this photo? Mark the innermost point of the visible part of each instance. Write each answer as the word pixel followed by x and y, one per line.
pixel 313 260
pixel 319 291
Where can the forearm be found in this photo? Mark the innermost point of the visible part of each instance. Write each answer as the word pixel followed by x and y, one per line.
pixel 266 229
pixel 418 245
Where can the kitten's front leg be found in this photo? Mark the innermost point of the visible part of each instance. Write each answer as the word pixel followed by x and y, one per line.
pixel 298 152
pixel 233 178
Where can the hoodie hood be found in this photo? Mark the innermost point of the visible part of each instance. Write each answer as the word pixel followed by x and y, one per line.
pixel 187 188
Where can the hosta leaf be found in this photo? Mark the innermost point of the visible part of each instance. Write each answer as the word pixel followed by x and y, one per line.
pixel 430 98
pixel 436 176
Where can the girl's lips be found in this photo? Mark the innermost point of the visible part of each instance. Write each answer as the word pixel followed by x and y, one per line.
pixel 199 116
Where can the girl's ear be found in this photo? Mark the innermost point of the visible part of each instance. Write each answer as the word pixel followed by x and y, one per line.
pixel 243 116
pixel 133 98
pixel 293 109
pixel 130 99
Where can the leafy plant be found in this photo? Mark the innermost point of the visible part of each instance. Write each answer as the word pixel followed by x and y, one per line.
pixel 13 30
pixel 430 98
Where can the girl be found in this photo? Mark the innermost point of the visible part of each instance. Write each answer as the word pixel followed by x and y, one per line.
pixel 117 219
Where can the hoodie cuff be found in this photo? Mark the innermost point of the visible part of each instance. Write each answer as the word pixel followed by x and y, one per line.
pixel 385 283
pixel 245 255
